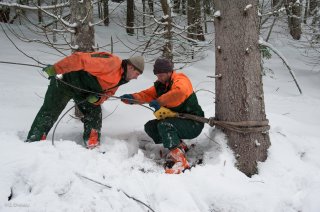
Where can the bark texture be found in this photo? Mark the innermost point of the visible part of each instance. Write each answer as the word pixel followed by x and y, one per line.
pixel 81 14
pixel 167 47
pixel 239 92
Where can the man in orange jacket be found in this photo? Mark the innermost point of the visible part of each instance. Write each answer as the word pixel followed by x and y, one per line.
pixel 171 91
pixel 89 79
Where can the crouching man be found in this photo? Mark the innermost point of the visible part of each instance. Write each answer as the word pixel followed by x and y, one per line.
pixel 171 91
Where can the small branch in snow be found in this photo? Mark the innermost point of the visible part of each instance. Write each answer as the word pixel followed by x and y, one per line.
pixel 119 190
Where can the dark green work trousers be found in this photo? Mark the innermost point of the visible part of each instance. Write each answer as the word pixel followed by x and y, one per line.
pixel 169 131
pixel 57 97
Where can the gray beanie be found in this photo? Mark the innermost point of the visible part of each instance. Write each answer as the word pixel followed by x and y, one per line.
pixel 137 62
pixel 162 65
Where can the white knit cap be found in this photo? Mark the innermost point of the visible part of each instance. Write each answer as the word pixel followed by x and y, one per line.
pixel 137 62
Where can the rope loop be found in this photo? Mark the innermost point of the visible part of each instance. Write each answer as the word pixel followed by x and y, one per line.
pixel 242 126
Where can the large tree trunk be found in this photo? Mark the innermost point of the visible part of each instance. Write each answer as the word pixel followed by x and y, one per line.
pixel 239 92
pixel 83 38
pixel 130 17
pixel 167 48
pixel 81 13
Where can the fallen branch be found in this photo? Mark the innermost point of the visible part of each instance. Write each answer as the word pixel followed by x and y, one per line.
pixel 266 44
pixel 119 190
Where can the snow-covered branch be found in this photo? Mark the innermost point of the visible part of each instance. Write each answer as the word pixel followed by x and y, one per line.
pixel 21 6
pixel 262 42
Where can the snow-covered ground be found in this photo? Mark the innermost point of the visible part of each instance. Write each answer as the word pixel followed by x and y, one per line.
pixel 41 177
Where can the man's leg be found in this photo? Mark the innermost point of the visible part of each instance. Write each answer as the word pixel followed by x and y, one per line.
pixel 55 101
pixel 172 130
pixel 92 121
pixel 152 130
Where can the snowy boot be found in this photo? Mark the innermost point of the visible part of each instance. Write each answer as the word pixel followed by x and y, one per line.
pixel 176 162
pixel 93 140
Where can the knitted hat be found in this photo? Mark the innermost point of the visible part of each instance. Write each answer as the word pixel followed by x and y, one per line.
pixel 162 65
pixel 137 62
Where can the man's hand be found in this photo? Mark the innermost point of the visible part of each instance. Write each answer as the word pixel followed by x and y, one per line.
pixel 127 99
pixel 164 112
pixel 49 69
pixel 155 104
pixel 92 99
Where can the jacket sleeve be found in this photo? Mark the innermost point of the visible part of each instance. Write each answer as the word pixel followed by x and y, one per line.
pixel 181 89
pixel 106 96
pixel 146 96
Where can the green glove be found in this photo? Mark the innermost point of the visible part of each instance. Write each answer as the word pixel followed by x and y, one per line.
pixel 49 70
pixel 92 99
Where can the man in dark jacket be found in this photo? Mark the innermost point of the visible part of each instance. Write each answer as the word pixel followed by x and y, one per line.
pixel 171 91
pixel 89 79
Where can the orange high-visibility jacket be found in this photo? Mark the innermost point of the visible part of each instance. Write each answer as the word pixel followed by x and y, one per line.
pixel 181 89
pixel 103 65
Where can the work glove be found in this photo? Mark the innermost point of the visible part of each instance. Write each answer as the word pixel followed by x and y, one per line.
pixel 164 112
pixel 93 99
pixel 49 69
pixel 127 99
pixel 155 104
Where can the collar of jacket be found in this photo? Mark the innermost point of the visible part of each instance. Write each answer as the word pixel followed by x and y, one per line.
pixel 124 74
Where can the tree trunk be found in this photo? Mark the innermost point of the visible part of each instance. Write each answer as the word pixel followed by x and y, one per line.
pixel 275 3
pixel 144 17
pixel 184 7
pixel 176 6
pixel 106 20
pixel 83 38
pixel 239 92
pixel 312 6
pixel 195 30
pixel 130 17
pixel 4 14
pixel 39 12
pixel 167 48
pixel 294 9
pixel 81 13
pixel 306 11
pixel 150 4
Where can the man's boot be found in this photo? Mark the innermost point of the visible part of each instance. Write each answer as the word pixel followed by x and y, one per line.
pixel 178 161
pixel 93 140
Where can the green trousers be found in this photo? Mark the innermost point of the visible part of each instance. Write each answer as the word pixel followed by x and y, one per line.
pixel 171 130
pixel 57 97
